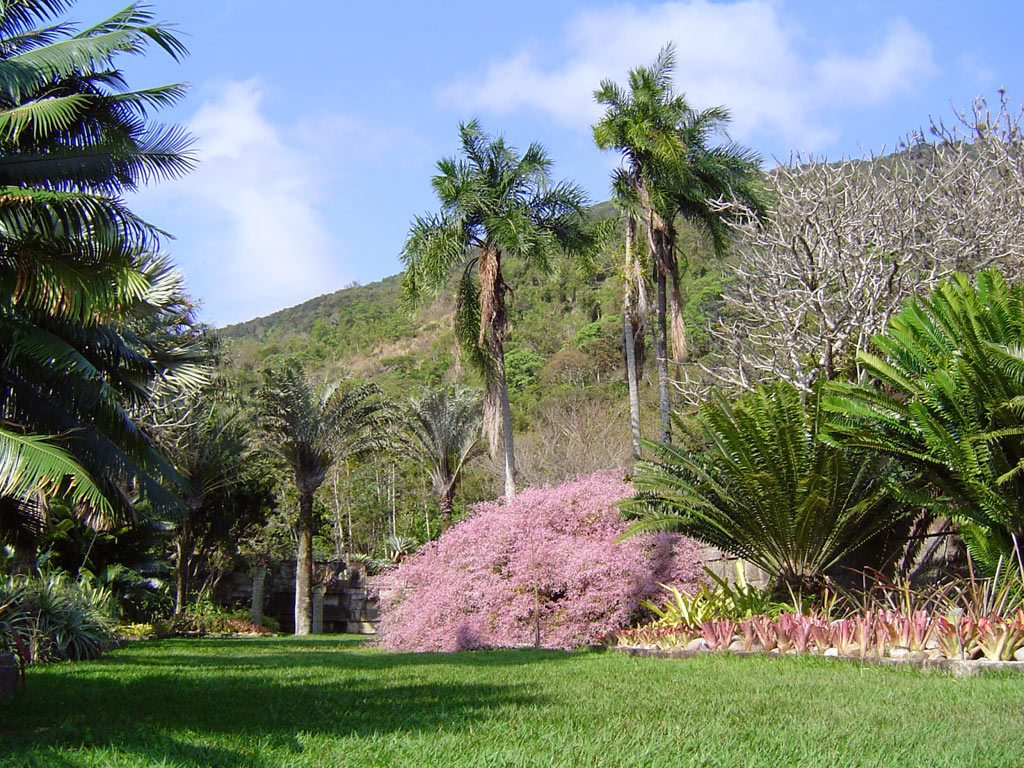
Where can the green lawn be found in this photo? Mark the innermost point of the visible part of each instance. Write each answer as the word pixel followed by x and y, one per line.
pixel 331 702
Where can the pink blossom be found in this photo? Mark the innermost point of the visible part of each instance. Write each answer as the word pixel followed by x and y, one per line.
pixel 479 585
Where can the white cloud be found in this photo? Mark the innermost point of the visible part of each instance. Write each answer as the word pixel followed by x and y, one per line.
pixel 251 236
pixel 892 69
pixel 742 54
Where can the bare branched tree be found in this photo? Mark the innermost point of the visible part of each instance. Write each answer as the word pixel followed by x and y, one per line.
pixel 850 241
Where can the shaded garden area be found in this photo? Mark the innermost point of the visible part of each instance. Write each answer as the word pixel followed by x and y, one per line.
pixel 334 702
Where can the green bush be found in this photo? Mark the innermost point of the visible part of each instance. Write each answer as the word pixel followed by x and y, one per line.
pixel 713 601
pixel 203 617
pixel 58 617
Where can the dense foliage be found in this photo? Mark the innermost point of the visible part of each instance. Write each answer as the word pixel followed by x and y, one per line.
pixel 55 617
pixel 945 398
pixel 93 319
pixel 545 567
pixel 765 488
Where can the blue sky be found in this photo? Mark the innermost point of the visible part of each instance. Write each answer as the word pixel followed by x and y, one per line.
pixel 318 123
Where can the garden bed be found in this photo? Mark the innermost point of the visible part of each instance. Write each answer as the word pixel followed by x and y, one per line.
pixel 957 667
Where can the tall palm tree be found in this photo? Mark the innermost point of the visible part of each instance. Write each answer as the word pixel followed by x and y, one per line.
pixel 443 429
pixel 310 431
pixel 672 169
pixel 766 489
pixel 634 307
pixel 92 320
pixel 495 204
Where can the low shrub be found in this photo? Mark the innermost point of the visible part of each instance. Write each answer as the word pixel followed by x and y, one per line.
pixel 136 631
pixel 547 563
pixel 713 599
pixel 204 617
pixel 59 618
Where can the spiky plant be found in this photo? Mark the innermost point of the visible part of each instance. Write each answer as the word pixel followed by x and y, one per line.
pixel 205 438
pixel 764 488
pixel 944 395
pixel 92 320
pixel 443 432
pixel 495 204
pixel 309 430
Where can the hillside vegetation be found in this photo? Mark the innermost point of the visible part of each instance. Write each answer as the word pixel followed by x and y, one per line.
pixel 564 353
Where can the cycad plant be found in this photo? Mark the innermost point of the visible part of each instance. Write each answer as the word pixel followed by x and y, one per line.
pixel 92 319
pixel 943 394
pixel 309 430
pixel 442 428
pixel 495 204
pixel 765 488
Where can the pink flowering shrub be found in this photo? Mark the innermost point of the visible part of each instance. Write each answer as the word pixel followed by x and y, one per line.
pixel 480 584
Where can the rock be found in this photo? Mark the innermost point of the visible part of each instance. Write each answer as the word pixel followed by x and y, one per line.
pixel 9 675
pixel 833 652
pixel 918 655
pixel 899 652
pixel 697 644
pixel 1018 655
pixel 737 645
pixel 936 653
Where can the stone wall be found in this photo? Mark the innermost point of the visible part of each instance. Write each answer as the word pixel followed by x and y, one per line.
pixel 347 605
pixel 10 676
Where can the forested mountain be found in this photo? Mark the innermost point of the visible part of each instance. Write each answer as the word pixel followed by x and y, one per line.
pixel 564 353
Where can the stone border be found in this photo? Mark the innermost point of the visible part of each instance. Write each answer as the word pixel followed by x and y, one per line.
pixel 957 667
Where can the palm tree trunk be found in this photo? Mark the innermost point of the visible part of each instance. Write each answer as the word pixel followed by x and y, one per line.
pixel 493 325
pixel 259 578
pixel 658 241
pixel 506 435
pixel 679 344
pixel 182 550
pixel 446 506
pixel 304 566
pixel 661 354
pixel 629 340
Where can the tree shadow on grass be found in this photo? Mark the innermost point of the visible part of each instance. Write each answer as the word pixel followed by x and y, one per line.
pixel 61 720
pixel 323 652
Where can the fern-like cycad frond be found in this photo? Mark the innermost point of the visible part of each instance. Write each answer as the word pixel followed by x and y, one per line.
pixel 943 396
pixel 765 489
pixel 32 465
pixel 93 321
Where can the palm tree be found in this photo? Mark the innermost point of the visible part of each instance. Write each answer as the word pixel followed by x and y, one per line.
pixel 634 308
pixel 495 204
pixel 443 429
pixel 206 441
pixel 942 395
pixel 670 169
pixel 310 431
pixel 92 320
pixel 766 489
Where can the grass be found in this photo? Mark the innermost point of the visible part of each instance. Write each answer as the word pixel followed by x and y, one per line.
pixel 328 701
